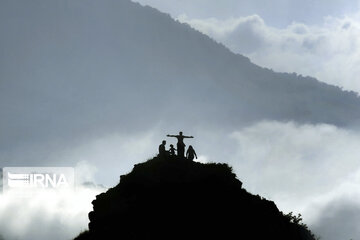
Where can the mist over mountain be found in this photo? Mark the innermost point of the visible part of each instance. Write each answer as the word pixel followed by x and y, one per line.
pixel 74 69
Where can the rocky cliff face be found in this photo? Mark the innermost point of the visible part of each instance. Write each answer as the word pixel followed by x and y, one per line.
pixel 171 198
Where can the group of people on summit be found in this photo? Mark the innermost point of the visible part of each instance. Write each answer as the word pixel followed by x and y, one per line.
pixel 190 153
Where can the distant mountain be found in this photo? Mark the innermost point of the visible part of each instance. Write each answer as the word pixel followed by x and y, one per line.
pixel 172 198
pixel 81 68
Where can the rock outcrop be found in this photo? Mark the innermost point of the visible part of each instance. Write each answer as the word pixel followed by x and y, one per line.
pixel 171 198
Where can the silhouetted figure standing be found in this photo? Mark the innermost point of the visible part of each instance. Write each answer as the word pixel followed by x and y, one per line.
pixel 190 153
pixel 172 150
pixel 180 144
pixel 162 151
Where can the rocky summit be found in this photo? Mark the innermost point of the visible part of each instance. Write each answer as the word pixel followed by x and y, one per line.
pixel 173 198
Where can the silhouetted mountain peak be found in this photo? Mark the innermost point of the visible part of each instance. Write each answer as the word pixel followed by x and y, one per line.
pixel 175 170
pixel 172 198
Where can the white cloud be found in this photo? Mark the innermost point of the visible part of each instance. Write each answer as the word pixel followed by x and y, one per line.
pixel 115 153
pixel 202 159
pixel 329 51
pixel 48 215
pixel 303 168
pixel 85 172
pixel 340 214
pixel 64 215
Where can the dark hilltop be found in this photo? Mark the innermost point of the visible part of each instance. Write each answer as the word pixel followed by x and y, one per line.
pixel 169 197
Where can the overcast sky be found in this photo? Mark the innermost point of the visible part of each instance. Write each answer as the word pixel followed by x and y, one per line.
pixel 98 86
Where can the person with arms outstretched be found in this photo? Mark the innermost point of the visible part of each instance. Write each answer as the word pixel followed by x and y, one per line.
pixel 180 144
pixel 190 153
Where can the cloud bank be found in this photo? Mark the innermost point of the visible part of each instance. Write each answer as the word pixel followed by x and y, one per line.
pixel 49 215
pixel 339 220
pixel 309 169
pixel 329 51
